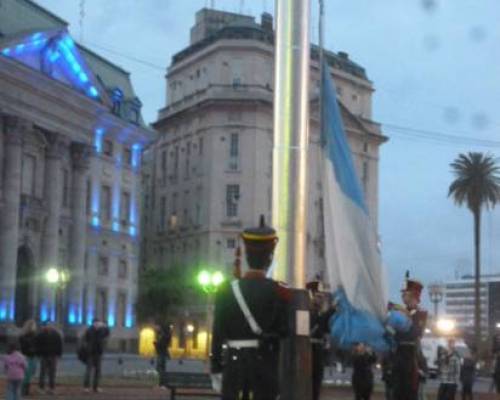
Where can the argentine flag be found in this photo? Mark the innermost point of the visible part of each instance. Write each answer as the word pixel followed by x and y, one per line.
pixel 352 255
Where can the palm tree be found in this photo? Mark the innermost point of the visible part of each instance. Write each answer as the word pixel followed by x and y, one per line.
pixel 477 185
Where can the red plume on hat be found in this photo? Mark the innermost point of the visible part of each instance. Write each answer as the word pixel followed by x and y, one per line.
pixel 412 285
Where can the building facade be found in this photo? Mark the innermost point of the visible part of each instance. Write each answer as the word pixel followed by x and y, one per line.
pixel 71 136
pixel 459 302
pixel 210 170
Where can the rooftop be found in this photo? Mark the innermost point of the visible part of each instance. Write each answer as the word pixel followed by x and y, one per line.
pixel 212 26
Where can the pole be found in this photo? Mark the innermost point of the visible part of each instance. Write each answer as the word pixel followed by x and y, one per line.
pixel 291 121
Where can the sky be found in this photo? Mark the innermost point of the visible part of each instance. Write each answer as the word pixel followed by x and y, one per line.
pixel 434 65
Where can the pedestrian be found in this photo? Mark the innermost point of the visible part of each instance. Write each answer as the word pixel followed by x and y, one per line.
pixel 162 343
pixel 321 313
pixel 94 342
pixel 450 373
pixel 14 367
pixel 27 343
pixel 49 346
pixel 387 375
pixel 362 371
pixel 467 377
pixel 405 369
pixel 250 318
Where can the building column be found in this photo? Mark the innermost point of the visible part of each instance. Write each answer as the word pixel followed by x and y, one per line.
pixel 50 237
pixel 80 157
pixel 13 129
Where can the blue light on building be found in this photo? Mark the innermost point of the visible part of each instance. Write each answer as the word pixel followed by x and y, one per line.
pixel 72 315
pixel 12 310
pixel 6 51
pixel 99 133
pixel 136 155
pixel 44 312
pixel 3 311
pixel 129 319
pixel 90 315
pixel 93 92
pixel 111 319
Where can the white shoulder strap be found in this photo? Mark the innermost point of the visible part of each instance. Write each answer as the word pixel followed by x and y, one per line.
pixel 244 308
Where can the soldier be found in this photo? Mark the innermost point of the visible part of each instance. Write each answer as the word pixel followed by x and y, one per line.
pixel 321 313
pixel 406 370
pixel 250 318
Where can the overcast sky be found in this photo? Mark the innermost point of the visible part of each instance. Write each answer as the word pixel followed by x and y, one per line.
pixel 435 67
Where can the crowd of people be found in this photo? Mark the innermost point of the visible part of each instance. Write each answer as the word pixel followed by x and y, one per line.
pixel 41 348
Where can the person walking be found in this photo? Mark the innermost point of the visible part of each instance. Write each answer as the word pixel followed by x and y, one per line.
pixel 94 340
pixel 450 373
pixel 162 343
pixel 14 367
pixel 362 372
pixel 251 317
pixel 27 343
pixel 49 347
pixel 467 377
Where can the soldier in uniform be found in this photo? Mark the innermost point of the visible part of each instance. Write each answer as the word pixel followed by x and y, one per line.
pixel 250 319
pixel 321 313
pixel 406 366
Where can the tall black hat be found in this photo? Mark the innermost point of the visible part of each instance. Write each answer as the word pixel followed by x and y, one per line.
pixel 260 243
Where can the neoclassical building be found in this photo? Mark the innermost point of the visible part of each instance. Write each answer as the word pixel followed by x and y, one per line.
pixel 210 171
pixel 71 137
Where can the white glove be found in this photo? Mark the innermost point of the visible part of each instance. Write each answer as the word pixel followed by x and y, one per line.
pixel 216 382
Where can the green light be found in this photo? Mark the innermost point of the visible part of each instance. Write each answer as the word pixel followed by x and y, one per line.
pixel 204 278
pixel 217 278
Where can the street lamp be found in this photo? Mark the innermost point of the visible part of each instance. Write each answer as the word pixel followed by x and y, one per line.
pixel 436 293
pixel 446 326
pixel 57 278
pixel 210 282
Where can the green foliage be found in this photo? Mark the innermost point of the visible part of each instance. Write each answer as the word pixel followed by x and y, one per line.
pixel 477 182
pixel 163 290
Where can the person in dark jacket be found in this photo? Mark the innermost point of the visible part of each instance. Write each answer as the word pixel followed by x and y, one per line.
pixel 387 375
pixel 94 341
pixel 362 372
pixel 496 373
pixel 162 343
pixel 27 343
pixel 467 377
pixel 49 346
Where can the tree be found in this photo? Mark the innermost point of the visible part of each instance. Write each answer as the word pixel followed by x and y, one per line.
pixel 476 185
pixel 162 290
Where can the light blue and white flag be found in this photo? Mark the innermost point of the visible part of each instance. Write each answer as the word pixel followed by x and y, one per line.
pixel 352 254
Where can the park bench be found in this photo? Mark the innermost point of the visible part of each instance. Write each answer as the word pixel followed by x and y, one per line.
pixel 190 383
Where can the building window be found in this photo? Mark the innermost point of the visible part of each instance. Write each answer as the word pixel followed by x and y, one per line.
pixel 176 164
pixel 185 211
pixel 234 151
pixel 164 159
pixel 200 146
pixel 127 156
pixel 107 147
pixel 231 243
pixel 125 208
pixel 123 269
pixel 102 304
pixel 365 147
pixel 103 267
pixel 232 198
pixel 65 192
pixel 163 212
pixel 365 175
pixel 28 175
pixel 106 203
pixel 197 214
pixel 188 160
pixel 88 197
pixel 122 309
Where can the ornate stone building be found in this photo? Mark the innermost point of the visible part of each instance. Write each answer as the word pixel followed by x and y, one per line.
pixel 210 172
pixel 71 136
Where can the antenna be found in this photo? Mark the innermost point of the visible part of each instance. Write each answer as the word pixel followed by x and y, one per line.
pixel 82 18
pixel 212 4
pixel 242 6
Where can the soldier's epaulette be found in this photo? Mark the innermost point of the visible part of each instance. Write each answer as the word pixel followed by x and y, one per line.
pixel 283 291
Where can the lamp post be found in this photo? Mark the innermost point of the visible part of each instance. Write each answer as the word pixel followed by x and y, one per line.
pixel 210 282
pixel 436 294
pixel 58 279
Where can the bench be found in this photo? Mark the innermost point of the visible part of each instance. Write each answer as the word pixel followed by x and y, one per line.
pixel 198 384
